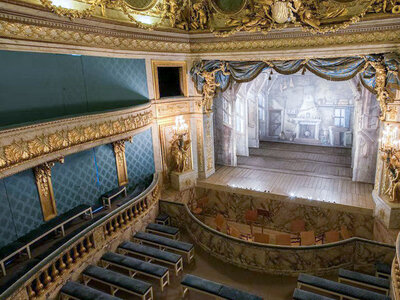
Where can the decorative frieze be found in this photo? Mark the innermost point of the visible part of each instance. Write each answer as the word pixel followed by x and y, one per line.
pixel 22 145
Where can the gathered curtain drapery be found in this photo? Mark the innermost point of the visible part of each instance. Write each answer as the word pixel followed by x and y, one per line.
pixel 335 69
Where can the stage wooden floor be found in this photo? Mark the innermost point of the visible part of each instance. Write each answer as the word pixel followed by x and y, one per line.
pixel 313 187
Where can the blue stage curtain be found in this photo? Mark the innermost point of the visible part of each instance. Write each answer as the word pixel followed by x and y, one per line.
pixel 336 69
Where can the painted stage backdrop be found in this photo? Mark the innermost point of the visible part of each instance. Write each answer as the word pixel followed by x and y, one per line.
pixel 307 109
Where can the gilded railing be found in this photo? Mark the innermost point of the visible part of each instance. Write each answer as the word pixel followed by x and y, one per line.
pixel 356 252
pixel 395 276
pixel 43 280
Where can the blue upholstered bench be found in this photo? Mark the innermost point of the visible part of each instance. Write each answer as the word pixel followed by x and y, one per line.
pixel 304 295
pixel 134 266
pixel 163 219
pixel 117 281
pixel 168 231
pixel 377 283
pixel 24 243
pixel 383 270
pixel 107 197
pixel 338 289
pixel 165 243
pixel 74 290
pixel 152 254
pixel 220 291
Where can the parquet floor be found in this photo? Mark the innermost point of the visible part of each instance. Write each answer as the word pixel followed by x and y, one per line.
pixel 334 190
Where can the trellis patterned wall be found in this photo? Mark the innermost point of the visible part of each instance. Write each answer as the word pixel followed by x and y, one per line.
pixel 39 90
pixel 82 178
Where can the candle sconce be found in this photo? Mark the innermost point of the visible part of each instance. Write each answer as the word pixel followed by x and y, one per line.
pixel 390 149
pixel 180 147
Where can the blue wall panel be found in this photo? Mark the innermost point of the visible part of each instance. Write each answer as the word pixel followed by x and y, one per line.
pixel 75 181
pixel 7 228
pixel 24 201
pixel 107 169
pixel 114 82
pixel 140 158
pixel 40 86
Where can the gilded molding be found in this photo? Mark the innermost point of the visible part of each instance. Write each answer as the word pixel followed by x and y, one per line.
pixel 120 159
pixel 45 188
pixel 22 145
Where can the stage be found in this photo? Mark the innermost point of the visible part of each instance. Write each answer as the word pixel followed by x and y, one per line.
pixel 312 189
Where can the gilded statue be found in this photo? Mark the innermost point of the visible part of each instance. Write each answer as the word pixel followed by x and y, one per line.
pixel 180 150
pixel 383 96
pixel 393 172
pixel 210 86
pixel 175 11
pixel 199 15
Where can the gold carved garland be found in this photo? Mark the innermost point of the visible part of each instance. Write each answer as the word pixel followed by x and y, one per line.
pixel 384 96
pixel 316 16
pixel 24 150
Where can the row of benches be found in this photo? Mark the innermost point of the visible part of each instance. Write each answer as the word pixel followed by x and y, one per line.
pixel 117 281
pixel 358 286
pixel 24 243
pixel 155 235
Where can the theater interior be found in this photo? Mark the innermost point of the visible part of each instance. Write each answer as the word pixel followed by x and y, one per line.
pixel 200 149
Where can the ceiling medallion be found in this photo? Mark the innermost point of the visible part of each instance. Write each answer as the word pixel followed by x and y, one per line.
pixel 141 5
pixel 228 7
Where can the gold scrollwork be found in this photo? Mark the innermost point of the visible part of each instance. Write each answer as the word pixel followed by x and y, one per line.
pixel 45 188
pixel 120 159
pixel 24 150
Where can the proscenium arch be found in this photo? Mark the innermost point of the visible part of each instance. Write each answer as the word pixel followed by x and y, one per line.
pixel 378 73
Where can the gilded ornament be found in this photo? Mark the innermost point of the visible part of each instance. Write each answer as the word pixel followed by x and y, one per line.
pixel 24 150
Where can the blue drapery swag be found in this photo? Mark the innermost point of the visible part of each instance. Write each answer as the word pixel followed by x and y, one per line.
pixel 336 69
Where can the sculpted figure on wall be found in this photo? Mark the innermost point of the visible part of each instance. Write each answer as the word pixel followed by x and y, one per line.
pixel 180 150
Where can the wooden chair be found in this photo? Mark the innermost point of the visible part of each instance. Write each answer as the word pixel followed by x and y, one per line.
pixel 220 221
pixel 233 231
pixel 307 238
pixel 261 238
pixel 344 233
pixel 297 226
pixel 331 236
pixel 251 216
pixel 283 239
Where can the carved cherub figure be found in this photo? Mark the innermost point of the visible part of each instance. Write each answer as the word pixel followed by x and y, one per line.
pixel 199 15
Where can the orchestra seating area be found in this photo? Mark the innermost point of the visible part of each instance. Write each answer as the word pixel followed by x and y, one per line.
pixel 146 256
pixel 298 236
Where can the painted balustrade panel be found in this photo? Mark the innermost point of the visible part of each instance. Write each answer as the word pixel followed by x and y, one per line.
pixel 355 253
pixel 320 218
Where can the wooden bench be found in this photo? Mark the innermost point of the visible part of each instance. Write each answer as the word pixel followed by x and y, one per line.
pixel 74 290
pixel 165 243
pixel 107 197
pixel 163 219
pixel 211 288
pixel 304 295
pixel 382 270
pixel 152 254
pixel 137 266
pixel 369 281
pixel 117 281
pixel 168 231
pixel 24 243
pixel 341 290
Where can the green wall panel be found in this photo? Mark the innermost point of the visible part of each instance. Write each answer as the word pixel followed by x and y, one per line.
pixel 40 86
